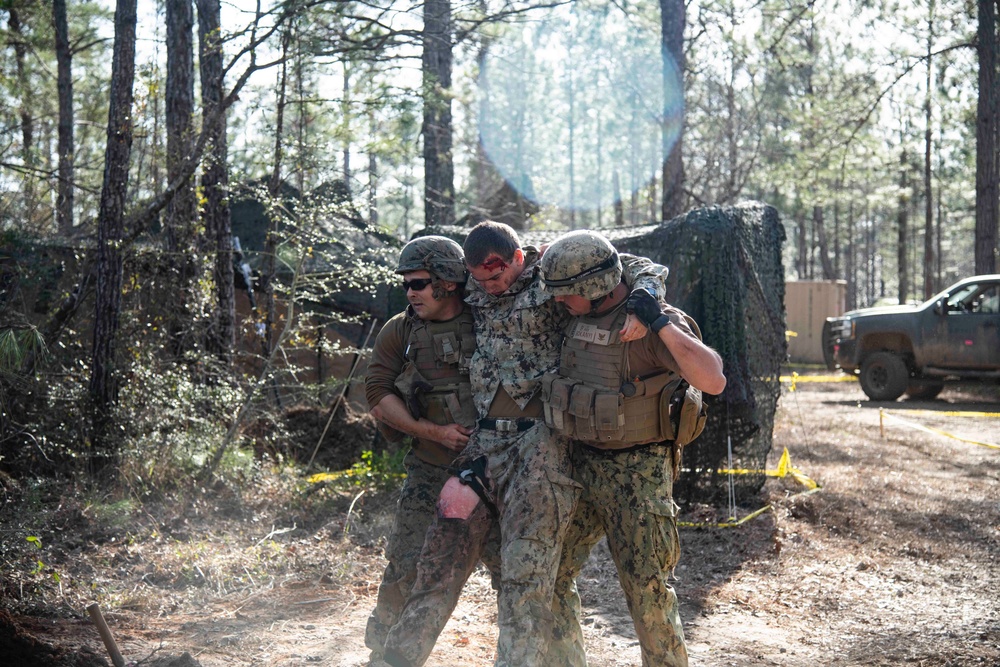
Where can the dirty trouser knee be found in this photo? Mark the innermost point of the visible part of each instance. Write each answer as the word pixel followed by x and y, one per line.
pixel 566 648
pixel 633 493
pixel 537 504
pixel 450 553
pixel 415 511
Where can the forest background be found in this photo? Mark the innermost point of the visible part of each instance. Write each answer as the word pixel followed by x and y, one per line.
pixel 132 135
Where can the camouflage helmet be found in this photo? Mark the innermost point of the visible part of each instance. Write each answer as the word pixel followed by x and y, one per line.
pixel 437 254
pixel 581 263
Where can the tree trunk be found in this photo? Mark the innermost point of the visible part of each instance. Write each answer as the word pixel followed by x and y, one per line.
pixel 672 18
pixel 651 199
pixel 987 128
pixel 346 123
pixel 849 266
pixel 902 220
pixel 27 120
pixel 619 207
pixel 938 224
pixel 836 234
pixel 373 175
pixel 928 192
pixel 64 85
pixel 215 177
pixel 302 122
pixel 599 152
pixel 274 189
pixel 732 141
pixel 439 176
pixel 802 263
pixel 571 94
pixel 824 250
pixel 811 248
pixel 182 210
pixel 633 157
pixel 110 230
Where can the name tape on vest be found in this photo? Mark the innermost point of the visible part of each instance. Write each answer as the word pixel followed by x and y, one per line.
pixel 590 333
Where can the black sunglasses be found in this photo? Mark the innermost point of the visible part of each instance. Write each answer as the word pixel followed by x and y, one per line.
pixel 416 284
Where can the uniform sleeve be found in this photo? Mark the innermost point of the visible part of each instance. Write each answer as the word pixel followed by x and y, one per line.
pixel 656 352
pixel 643 273
pixel 387 359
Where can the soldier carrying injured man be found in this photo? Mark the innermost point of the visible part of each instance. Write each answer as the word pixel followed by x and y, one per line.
pixel 515 473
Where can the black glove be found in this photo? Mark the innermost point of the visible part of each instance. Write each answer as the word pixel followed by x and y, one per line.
pixel 647 309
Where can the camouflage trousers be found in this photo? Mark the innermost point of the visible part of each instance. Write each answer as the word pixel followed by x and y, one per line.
pixel 415 511
pixel 627 497
pixel 534 496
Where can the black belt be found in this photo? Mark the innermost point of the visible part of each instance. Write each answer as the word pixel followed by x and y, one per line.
pixel 518 425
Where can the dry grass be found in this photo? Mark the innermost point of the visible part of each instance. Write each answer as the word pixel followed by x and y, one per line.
pixel 893 561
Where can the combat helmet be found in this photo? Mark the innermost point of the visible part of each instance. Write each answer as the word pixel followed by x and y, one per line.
pixel 581 263
pixel 438 254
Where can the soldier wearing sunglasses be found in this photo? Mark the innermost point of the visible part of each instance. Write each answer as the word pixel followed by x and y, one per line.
pixel 418 385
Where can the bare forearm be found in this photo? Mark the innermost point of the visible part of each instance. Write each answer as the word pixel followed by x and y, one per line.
pixel 699 364
pixel 392 411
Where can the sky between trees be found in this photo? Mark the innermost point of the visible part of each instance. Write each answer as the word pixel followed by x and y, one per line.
pixel 818 109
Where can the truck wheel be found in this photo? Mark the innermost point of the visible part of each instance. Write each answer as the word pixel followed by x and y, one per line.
pixel 924 389
pixel 884 376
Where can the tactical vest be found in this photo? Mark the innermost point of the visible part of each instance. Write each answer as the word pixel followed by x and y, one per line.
pixel 434 381
pixel 596 399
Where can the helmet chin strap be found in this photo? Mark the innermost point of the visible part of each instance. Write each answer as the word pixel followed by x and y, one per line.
pixel 595 304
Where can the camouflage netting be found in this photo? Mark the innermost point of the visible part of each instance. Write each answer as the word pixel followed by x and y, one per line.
pixel 726 272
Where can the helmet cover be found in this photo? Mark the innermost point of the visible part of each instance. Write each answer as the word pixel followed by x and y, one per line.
pixel 439 255
pixel 581 263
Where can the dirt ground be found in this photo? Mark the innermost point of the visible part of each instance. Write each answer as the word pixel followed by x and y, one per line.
pixel 893 561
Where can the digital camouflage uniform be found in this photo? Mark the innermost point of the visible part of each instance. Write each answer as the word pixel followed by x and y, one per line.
pixel 627 496
pixel 414 513
pixel 518 336
pixel 626 471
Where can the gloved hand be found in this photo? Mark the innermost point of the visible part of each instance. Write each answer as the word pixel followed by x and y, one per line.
pixel 647 309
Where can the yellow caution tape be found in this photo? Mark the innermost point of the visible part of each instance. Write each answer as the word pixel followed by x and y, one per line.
pixel 795 377
pixel 983 415
pixel 329 476
pixel 337 474
pixel 732 523
pixel 784 469
pixel 920 427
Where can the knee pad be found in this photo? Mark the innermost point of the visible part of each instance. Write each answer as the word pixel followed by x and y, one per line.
pixel 457 501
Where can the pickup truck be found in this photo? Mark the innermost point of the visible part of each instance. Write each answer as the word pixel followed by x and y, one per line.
pixel 954 336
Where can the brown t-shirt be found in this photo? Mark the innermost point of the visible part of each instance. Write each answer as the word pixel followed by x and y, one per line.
pixel 503 406
pixel 387 361
pixel 388 357
pixel 650 355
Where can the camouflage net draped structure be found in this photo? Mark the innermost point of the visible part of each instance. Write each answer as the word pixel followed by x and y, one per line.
pixel 726 272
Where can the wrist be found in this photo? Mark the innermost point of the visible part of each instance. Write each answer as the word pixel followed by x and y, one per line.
pixel 659 323
pixel 424 429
